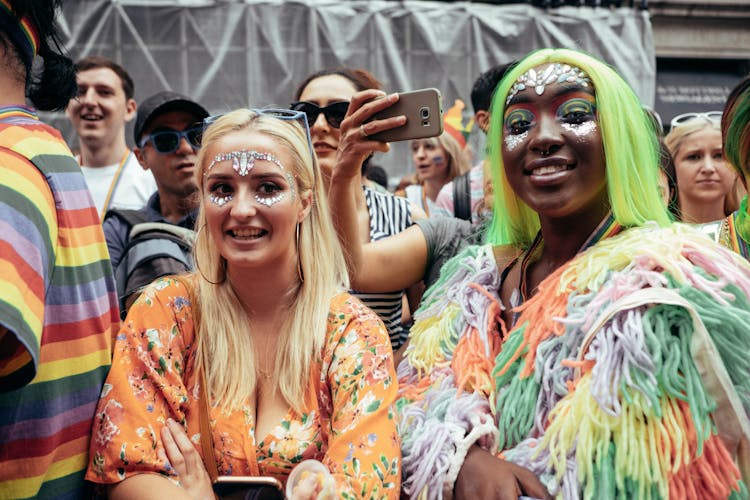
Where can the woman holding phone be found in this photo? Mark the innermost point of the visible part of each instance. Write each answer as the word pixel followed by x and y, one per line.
pixel 589 350
pixel 287 365
pixel 325 97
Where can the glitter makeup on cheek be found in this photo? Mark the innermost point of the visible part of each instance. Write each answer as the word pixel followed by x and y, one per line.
pixel 582 129
pixel 269 201
pixel 220 201
pixel 513 141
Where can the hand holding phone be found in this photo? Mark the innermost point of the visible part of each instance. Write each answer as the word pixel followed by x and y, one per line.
pixel 424 116
pixel 248 488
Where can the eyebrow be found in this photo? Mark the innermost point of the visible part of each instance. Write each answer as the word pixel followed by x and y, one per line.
pixel 565 88
pixel 251 175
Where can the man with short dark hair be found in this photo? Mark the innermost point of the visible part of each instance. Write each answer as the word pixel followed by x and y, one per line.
pixel 167 133
pixel 99 113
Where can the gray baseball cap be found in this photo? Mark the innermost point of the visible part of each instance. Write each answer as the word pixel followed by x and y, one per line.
pixel 163 102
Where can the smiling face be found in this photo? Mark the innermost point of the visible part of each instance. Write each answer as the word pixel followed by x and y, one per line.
pixel 552 150
pixel 174 172
pixel 101 109
pixel 703 176
pixel 251 202
pixel 430 160
pixel 323 91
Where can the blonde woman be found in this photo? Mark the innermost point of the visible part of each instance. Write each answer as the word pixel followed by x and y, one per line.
pixel 438 160
pixel 706 184
pixel 295 367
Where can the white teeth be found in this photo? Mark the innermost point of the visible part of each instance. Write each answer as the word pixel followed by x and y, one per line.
pixel 548 170
pixel 248 233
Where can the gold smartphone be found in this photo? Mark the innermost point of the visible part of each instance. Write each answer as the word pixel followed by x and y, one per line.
pixel 248 488
pixel 424 116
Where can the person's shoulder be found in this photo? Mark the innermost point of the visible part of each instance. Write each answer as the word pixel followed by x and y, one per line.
pixel 177 291
pixel 669 248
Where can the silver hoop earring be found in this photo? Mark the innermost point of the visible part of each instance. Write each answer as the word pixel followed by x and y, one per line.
pixel 299 258
pixel 197 264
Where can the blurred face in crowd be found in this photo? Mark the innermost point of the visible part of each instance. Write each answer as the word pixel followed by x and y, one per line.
pixel 324 91
pixel 430 160
pixel 703 177
pixel 552 150
pixel 101 109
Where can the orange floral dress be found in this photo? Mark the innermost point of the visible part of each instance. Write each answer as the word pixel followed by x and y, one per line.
pixel 348 425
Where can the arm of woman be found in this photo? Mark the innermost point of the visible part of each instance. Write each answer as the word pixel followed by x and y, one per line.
pixel 144 387
pixel 393 263
pixel 363 449
pixel 354 148
pixel 148 486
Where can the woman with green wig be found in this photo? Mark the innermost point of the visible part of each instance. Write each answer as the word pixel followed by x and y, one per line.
pixel 734 231
pixel 589 350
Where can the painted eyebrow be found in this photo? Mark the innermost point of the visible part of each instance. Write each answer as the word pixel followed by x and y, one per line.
pixel 564 89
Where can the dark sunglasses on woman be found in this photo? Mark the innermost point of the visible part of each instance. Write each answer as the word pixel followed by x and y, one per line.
pixel 334 113
pixel 167 141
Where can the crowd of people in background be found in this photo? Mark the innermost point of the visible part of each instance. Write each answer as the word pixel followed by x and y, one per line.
pixel 245 293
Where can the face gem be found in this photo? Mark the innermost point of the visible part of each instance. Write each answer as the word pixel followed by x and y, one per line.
pixel 220 201
pixel 581 129
pixel 554 73
pixel 269 201
pixel 243 161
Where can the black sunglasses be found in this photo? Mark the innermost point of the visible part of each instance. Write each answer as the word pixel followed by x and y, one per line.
pixel 167 141
pixel 334 113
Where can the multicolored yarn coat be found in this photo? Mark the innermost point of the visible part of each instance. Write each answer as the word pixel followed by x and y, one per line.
pixel 626 375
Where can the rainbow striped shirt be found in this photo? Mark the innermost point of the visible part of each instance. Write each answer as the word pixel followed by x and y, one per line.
pixel 58 312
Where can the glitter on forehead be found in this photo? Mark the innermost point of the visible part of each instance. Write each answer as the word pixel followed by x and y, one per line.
pixel 554 73
pixel 512 141
pixel 581 129
pixel 243 160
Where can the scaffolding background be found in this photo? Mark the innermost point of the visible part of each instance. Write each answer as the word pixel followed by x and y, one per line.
pixel 230 54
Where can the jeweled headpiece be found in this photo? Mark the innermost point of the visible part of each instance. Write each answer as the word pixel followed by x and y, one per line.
pixel 243 161
pixel 554 73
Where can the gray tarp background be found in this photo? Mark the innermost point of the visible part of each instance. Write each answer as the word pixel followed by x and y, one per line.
pixel 229 54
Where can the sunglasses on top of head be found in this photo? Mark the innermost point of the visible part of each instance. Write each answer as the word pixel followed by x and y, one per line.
pixel 686 117
pixel 167 141
pixel 334 113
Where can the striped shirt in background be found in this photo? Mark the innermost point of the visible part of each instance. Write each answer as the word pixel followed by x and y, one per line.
pixel 389 215
pixel 58 312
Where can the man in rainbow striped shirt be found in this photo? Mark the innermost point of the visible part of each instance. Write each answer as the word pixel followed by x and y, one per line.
pixel 58 309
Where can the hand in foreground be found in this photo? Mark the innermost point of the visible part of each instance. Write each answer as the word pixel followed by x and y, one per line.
pixel 310 480
pixel 485 476
pixel 186 461
pixel 355 144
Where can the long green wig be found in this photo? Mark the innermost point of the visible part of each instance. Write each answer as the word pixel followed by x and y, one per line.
pixel 735 128
pixel 630 144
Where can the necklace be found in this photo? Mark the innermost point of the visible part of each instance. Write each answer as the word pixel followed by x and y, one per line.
pixel 264 374
pixel 606 228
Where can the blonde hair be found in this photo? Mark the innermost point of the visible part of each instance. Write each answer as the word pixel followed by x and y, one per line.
pixel 677 136
pixel 225 344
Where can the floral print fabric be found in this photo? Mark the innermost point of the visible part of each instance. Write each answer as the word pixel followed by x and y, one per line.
pixel 347 422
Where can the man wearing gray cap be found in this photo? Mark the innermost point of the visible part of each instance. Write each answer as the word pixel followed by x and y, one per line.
pixel 167 134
